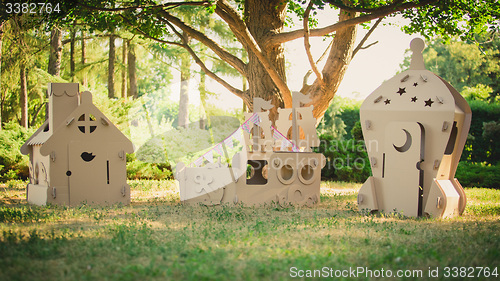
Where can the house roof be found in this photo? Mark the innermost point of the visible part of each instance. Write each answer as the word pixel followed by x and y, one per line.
pixel 77 125
pixel 39 137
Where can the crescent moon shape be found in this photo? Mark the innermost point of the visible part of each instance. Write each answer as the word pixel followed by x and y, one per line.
pixel 405 146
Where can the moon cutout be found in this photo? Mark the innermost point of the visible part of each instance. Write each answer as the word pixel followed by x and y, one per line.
pixel 407 144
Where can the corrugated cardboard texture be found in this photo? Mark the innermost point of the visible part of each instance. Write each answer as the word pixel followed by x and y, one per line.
pixel 389 118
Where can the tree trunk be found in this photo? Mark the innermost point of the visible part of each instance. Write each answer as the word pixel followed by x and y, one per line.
pixel 244 88
pixel 23 95
pixel 183 116
pixel 84 61
pixel 72 53
pixel 263 18
pixel 203 99
pixel 35 115
pixel 55 52
pixel 124 69
pixel 111 67
pixel 335 67
pixel 132 77
pixel 1 93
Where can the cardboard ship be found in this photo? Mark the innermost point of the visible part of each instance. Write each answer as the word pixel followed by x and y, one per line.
pixel 77 155
pixel 267 170
pixel 415 126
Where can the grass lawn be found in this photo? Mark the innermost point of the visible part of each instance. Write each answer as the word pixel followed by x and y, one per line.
pixel 158 238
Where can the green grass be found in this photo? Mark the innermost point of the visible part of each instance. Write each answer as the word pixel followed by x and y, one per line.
pixel 157 238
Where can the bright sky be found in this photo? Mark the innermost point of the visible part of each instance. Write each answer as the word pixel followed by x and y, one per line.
pixel 369 68
pixel 367 71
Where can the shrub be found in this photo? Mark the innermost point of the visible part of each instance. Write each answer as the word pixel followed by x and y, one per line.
pixel 346 160
pixel 13 165
pixel 478 92
pixel 350 116
pixel 357 131
pixel 152 171
pixel 340 117
pixel 478 175
pixel 491 133
pixel 481 144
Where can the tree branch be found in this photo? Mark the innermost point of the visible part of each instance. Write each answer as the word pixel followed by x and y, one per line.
pixel 212 75
pixel 35 114
pixel 341 5
pixel 308 46
pixel 360 45
pixel 181 36
pixel 198 61
pixel 382 12
pixel 166 5
pixel 149 36
pixel 236 24
pixel 368 46
pixel 309 72
pixel 231 59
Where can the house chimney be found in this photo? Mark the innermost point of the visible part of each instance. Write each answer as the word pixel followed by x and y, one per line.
pixel 63 99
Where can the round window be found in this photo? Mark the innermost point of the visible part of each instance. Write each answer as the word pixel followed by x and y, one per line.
pixel 87 123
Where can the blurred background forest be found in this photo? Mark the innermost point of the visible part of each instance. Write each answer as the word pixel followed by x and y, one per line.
pixel 131 79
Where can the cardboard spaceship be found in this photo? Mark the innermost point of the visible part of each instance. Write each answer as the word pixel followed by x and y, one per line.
pixel 77 155
pixel 267 170
pixel 415 126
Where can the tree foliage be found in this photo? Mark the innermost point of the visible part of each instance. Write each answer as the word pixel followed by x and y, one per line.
pixel 471 66
pixel 482 144
pixel 258 28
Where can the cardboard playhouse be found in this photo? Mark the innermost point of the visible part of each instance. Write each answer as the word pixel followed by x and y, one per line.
pixel 270 168
pixel 77 156
pixel 415 126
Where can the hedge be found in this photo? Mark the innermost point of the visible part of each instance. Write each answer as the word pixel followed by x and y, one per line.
pixel 482 147
pixel 13 165
pixel 478 175
pixel 346 160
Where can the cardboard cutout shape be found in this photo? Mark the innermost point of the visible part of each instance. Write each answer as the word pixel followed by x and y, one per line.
pixel 78 155
pixel 301 124
pixel 275 174
pixel 415 126
pixel 260 139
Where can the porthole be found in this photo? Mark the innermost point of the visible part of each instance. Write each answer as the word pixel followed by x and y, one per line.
pixel 286 174
pixel 306 174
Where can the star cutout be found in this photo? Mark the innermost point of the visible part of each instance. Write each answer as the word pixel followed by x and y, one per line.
pixel 387 101
pixel 414 99
pixel 401 91
pixel 428 103
pixel 415 84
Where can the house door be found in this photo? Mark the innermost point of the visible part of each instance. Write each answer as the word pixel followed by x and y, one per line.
pixel 402 175
pixel 88 172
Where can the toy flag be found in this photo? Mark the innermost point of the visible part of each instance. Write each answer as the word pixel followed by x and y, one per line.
pixel 237 136
pixel 229 141
pixel 209 156
pixel 218 149
pixel 198 161
pixel 246 126
pixel 254 119
pixel 284 144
